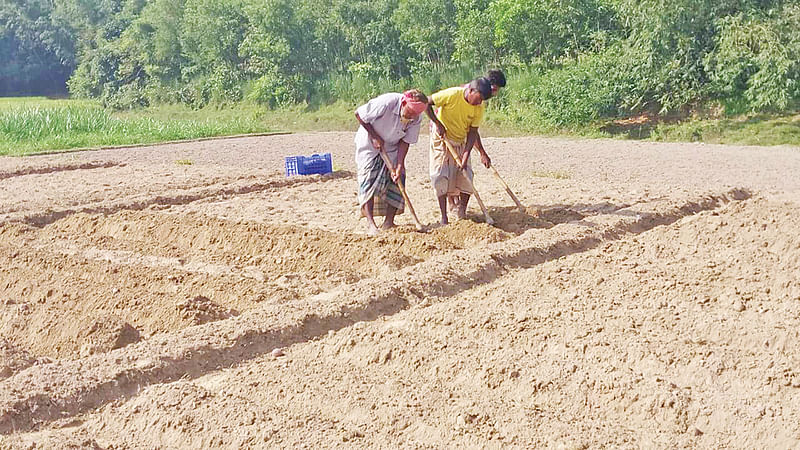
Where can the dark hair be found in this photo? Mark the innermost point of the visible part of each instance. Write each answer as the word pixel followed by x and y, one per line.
pixel 483 86
pixel 496 77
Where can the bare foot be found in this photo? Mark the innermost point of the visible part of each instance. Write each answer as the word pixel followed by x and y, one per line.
pixel 372 230
pixel 444 221
pixel 462 214
pixel 386 226
pixel 452 203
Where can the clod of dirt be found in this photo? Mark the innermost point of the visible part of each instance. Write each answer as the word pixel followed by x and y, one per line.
pixel 107 333
pixel 467 233
pixel 559 215
pixel 511 220
pixel 200 310
pixel 12 359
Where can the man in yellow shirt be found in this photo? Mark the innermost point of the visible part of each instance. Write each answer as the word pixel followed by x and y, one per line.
pixel 497 79
pixel 460 114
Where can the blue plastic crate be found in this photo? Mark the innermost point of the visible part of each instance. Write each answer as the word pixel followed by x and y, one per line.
pixel 309 165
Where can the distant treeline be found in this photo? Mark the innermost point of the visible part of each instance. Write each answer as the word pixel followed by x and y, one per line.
pixel 569 61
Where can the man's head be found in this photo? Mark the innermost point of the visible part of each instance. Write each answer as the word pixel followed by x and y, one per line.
pixel 477 91
pixel 497 79
pixel 413 104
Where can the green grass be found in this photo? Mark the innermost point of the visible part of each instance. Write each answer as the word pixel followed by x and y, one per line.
pixel 35 126
pixel 762 129
pixel 743 130
pixel 25 102
pixel 335 117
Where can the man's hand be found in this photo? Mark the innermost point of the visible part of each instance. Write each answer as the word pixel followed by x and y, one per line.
pixel 440 129
pixel 486 160
pixel 398 173
pixel 464 161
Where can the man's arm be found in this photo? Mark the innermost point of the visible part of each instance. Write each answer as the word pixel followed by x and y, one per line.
pixel 472 135
pixel 432 116
pixel 484 156
pixel 377 140
pixel 402 150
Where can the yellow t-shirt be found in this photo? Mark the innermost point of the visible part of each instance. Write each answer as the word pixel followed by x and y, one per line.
pixel 456 114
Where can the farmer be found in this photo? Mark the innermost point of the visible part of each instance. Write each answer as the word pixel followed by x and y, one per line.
pixel 389 123
pixel 497 79
pixel 460 114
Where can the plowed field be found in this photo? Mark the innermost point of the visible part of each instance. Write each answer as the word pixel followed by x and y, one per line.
pixel 192 296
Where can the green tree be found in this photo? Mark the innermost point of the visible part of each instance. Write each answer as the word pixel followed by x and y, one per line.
pixel 756 63
pixel 428 27
pixel 38 52
pixel 376 46
pixel 667 43
pixel 211 33
pixel 474 33
pixel 548 29
pixel 158 29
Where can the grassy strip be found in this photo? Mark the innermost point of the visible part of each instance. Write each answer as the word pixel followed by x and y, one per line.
pixel 335 117
pixel 744 130
pixel 35 125
pixel 32 129
pixel 7 103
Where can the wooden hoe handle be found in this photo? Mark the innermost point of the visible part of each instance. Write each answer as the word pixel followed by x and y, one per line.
pixel 508 189
pixel 456 159
pixel 390 166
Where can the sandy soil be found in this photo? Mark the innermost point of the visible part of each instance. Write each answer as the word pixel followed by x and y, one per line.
pixel 191 296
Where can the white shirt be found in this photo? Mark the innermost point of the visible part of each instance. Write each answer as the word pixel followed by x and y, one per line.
pixel 384 114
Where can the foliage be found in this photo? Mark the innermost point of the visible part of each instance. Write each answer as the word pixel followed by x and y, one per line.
pixel 756 65
pixel 548 29
pixel 742 130
pixel 474 33
pixel 570 62
pixel 576 94
pixel 428 26
pixel 36 49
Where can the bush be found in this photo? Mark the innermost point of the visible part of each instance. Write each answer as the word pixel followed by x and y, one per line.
pixel 275 91
pixel 548 29
pixel 591 88
pixel 126 96
pixel 756 64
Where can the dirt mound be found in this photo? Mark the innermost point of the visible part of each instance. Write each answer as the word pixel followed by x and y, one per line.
pixel 626 308
pixel 469 233
pixel 512 220
pixel 199 349
pixel 106 333
pixel 179 412
pixel 12 359
pixel 620 334
pixel 87 265
pixel 199 310
pixel 276 249
pixel 189 414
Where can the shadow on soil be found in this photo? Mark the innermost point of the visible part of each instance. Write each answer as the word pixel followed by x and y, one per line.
pixel 510 219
